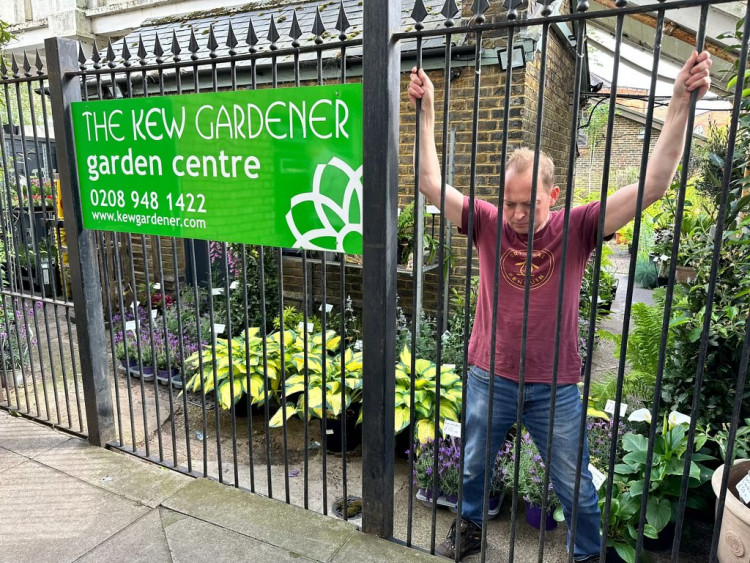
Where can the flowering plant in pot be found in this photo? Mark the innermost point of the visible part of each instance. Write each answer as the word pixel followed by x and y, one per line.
pixel 530 484
pixel 449 476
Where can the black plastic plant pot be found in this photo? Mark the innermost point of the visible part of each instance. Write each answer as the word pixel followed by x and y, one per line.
pixel 334 435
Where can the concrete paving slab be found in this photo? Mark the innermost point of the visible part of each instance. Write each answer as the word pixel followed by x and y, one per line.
pixel 46 515
pixel 192 540
pixel 144 541
pixel 271 521
pixel 30 440
pixel 9 459
pixel 119 473
pixel 365 548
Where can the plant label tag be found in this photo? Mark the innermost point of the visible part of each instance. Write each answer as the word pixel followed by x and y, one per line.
pixel 134 304
pixel 432 210
pixel 610 408
pixel 130 325
pixel 327 306
pixel 743 489
pixel 154 312
pixel 156 286
pixel 597 476
pixel 329 431
pixel 452 428
pixel 217 291
pixel 219 328
pixel 300 327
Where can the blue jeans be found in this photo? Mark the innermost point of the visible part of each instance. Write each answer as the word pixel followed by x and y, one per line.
pixel 536 410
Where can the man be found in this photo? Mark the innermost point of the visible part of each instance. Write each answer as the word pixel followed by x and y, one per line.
pixel 545 277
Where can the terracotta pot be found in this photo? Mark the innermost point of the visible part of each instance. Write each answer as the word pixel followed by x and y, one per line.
pixel 734 540
pixel 685 274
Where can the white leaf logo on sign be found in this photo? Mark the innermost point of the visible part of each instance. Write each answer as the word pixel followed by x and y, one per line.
pixel 321 202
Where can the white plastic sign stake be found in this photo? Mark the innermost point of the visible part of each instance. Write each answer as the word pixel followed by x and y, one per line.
pixel 452 428
pixel 219 328
pixel 154 312
pixel 329 431
pixel 328 307
pixel 743 489
pixel 130 325
pixel 217 291
pixel 597 476
pixel 610 408
pixel 156 286
pixel 300 327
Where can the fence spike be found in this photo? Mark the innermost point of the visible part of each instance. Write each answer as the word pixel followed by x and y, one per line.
pixel 295 32
pixel 273 34
pixel 81 57
pixel 583 5
pixel 125 53
pixel 38 63
pixel 95 55
pixel 111 55
pixel 4 68
pixel 26 64
pixel 142 53
pixel 479 7
pixel 512 7
pixel 318 28
pixel 193 45
pixel 14 65
pixel 175 49
pixel 419 13
pixel 251 39
pixel 450 9
pixel 621 3
pixel 546 11
pixel 231 40
pixel 213 44
pixel 342 24
pixel 158 50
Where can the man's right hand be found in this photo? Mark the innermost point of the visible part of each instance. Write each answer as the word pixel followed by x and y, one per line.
pixel 421 88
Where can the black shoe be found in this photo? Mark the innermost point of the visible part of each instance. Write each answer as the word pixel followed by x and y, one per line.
pixel 471 540
pixel 589 559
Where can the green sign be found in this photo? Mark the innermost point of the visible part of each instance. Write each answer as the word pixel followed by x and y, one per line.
pixel 277 167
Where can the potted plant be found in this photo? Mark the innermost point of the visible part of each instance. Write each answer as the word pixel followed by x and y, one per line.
pixel 244 375
pixel 425 396
pixel 449 455
pixel 530 485
pixel 167 360
pixel 735 525
pixel 670 446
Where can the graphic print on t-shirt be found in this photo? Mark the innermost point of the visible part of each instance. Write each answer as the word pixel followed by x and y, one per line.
pixel 513 267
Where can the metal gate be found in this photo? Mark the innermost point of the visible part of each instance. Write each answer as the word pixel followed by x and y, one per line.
pixel 90 316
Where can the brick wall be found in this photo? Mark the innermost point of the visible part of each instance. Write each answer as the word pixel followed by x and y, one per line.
pixel 625 159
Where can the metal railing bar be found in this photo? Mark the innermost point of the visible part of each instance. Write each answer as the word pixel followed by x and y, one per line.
pixel 564 18
pixel 239 57
pixel 590 336
pixel 58 240
pixel 712 281
pixel 563 262
pixel 51 271
pixel 701 36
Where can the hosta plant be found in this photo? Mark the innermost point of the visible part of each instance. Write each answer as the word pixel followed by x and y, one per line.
pixel 425 396
pixel 245 374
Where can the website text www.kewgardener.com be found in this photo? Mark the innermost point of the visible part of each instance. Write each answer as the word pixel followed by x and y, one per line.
pixel 152 219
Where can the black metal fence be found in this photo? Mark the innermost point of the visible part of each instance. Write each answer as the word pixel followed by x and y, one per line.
pixel 186 352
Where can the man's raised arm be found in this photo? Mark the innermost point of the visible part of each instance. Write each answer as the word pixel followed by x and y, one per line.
pixel 421 87
pixel 662 165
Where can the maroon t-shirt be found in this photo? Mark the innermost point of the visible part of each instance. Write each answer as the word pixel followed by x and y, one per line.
pixel 545 281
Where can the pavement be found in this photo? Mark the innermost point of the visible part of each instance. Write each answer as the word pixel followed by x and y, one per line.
pixel 62 499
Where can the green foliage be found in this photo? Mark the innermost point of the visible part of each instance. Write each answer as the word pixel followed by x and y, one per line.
pixel 667 464
pixel 607 284
pixel 741 441
pixel 531 471
pixel 425 396
pixel 646 272
pixel 244 315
